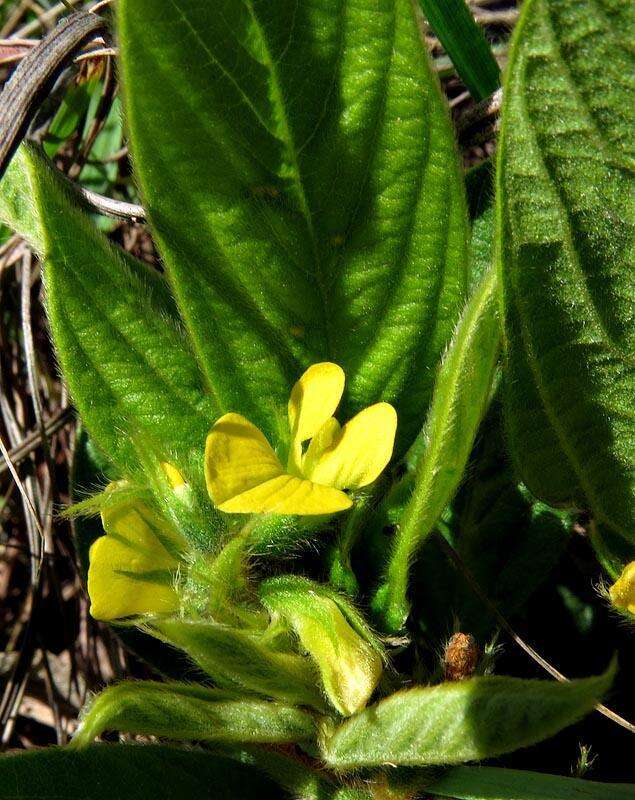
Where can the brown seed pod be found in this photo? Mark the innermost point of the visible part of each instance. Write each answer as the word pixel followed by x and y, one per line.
pixel 461 657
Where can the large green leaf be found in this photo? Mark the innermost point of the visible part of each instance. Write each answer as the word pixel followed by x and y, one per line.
pixel 299 171
pixel 454 722
pixel 494 783
pixel 130 371
pixel 130 772
pixel 189 712
pixel 565 222
pixel 28 218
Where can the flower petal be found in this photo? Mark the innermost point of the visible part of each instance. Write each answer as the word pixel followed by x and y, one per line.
pixel 124 583
pixel 327 437
pixel 135 524
pixel 314 399
pixel 287 494
pixel 131 568
pixel 360 453
pixel 622 593
pixel 237 458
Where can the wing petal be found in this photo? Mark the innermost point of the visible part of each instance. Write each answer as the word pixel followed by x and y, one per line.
pixel 360 453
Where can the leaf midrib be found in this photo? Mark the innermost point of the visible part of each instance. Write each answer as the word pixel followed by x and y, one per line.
pixel 292 152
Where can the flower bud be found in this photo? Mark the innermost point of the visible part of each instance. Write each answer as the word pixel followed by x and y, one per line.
pixel 349 663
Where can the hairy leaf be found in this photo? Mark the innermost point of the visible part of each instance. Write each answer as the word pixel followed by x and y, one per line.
pixel 565 221
pixel 129 369
pixel 130 772
pixel 479 182
pixel 454 722
pixel 189 712
pixel 494 783
pixel 20 211
pixel 239 660
pixel 305 194
pixel 460 399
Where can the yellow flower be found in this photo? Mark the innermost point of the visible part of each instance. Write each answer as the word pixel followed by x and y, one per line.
pixel 132 568
pixel 244 475
pixel 622 593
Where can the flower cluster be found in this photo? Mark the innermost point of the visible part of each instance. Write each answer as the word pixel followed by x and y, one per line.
pixel 130 568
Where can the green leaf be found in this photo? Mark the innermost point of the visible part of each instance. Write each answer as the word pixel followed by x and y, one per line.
pixel 494 783
pixel 128 367
pixel 240 660
pixel 612 551
pixel 565 215
pixel 461 395
pixel 16 206
pixel 130 772
pixel 454 722
pixel 26 218
pixel 188 712
pixel 479 183
pixel 304 189
pixel 465 43
pixel 73 107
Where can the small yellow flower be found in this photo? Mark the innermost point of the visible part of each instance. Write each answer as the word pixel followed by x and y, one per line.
pixel 244 475
pixel 132 568
pixel 622 593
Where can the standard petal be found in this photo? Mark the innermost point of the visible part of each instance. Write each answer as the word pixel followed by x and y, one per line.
pixel 125 582
pixel 314 399
pixel 237 458
pixel 287 494
pixel 134 524
pixel 361 452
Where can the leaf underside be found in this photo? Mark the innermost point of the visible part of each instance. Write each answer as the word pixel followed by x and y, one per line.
pixel 455 722
pixel 191 712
